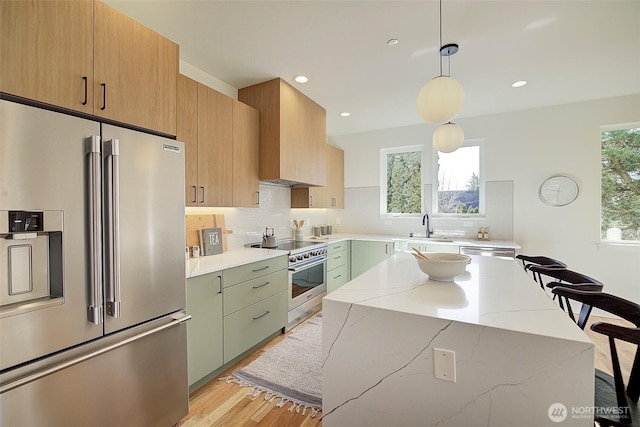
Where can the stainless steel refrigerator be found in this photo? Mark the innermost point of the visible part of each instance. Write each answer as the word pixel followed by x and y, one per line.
pixel 92 273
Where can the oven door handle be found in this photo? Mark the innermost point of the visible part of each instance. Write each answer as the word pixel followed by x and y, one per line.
pixel 305 266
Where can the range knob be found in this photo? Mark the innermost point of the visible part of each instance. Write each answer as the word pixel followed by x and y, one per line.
pixel 299 257
pixel 292 259
pixel 306 255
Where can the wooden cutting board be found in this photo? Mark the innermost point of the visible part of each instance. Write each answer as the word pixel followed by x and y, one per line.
pixel 195 223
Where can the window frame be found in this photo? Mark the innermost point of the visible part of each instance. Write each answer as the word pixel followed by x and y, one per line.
pixel 384 152
pixel 480 143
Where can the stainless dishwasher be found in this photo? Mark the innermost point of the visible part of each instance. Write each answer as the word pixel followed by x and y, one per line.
pixel 488 251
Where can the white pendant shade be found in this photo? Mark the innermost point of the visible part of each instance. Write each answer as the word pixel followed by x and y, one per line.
pixel 440 99
pixel 448 137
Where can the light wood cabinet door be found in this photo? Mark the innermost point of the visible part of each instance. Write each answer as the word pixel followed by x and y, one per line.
pixel 335 178
pixel 187 132
pixel 215 148
pixel 246 139
pixel 46 51
pixel 135 72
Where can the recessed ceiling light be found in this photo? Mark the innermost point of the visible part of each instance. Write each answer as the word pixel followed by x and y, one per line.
pixel 393 42
pixel 345 114
pixel 519 83
pixel 301 79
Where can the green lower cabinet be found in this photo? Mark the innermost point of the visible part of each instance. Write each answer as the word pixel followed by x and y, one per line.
pixel 204 330
pixel 247 327
pixel 366 254
pixel 338 265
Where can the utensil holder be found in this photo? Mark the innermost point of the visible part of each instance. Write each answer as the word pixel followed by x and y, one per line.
pixel 298 234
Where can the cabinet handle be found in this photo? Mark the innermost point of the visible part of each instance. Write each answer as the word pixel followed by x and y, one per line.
pixel 339 275
pixel 260 269
pixel 310 201
pixel 333 202
pixel 195 194
pixel 202 200
pixel 104 96
pixel 219 284
pixel 338 257
pixel 337 247
pixel 84 78
pixel 262 315
pixel 386 249
pixel 260 286
pixel 257 197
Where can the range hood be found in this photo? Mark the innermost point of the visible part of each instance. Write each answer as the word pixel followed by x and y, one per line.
pixel 293 134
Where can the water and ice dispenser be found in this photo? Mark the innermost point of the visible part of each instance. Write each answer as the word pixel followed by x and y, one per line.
pixel 30 256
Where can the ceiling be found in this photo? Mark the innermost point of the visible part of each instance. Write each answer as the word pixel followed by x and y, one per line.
pixel 567 50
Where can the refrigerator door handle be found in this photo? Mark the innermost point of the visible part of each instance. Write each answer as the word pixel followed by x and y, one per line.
pixel 112 152
pixel 94 311
pixel 176 319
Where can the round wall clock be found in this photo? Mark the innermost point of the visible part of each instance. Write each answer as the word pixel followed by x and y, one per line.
pixel 558 190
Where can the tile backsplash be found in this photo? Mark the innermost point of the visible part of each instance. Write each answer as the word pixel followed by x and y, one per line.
pixel 361 215
pixel 248 224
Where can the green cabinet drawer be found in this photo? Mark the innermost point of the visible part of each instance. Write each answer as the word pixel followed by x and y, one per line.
pixel 337 277
pixel 337 259
pixel 338 246
pixel 241 273
pixel 247 327
pixel 204 330
pixel 246 293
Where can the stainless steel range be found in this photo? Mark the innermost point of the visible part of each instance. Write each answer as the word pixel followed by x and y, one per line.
pixel 307 277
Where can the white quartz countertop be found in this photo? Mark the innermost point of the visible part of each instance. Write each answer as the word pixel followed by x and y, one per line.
pixel 333 238
pixel 233 258
pixel 493 292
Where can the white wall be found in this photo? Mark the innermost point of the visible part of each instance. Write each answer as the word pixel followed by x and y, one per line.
pixel 526 147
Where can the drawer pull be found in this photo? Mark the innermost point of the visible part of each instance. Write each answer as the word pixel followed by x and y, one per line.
pixel 259 286
pixel 338 257
pixel 262 315
pixel 260 269
pixel 337 247
pixel 339 275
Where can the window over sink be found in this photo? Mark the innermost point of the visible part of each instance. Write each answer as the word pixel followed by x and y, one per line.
pixel 460 181
pixel 401 181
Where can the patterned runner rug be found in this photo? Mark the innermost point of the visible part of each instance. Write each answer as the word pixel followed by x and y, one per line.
pixel 290 371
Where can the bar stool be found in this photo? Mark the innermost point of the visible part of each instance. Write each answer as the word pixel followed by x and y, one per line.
pixel 570 279
pixel 610 391
pixel 529 261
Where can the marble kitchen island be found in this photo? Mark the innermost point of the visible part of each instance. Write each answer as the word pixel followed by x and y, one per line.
pixel 519 359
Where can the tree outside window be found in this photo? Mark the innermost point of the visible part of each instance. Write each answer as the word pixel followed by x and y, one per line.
pixel 402 188
pixel 620 211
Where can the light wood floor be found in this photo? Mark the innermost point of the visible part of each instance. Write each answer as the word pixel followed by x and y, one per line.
pixel 218 403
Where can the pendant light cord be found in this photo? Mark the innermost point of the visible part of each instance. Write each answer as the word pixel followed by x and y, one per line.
pixel 440 47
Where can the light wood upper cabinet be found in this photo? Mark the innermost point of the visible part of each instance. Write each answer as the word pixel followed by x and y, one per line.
pixel 215 147
pixel 246 136
pixel 187 132
pixel 88 57
pixel 334 191
pixel 292 133
pixel 46 51
pixel 135 72
pixel 221 147
pixel 329 196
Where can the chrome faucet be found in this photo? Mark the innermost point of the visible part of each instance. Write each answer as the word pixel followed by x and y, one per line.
pixel 425 221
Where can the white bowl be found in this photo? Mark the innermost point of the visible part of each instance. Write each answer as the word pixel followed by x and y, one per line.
pixel 443 267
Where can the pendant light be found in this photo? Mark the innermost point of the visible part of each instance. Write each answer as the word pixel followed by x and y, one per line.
pixel 448 137
pixel 441 99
